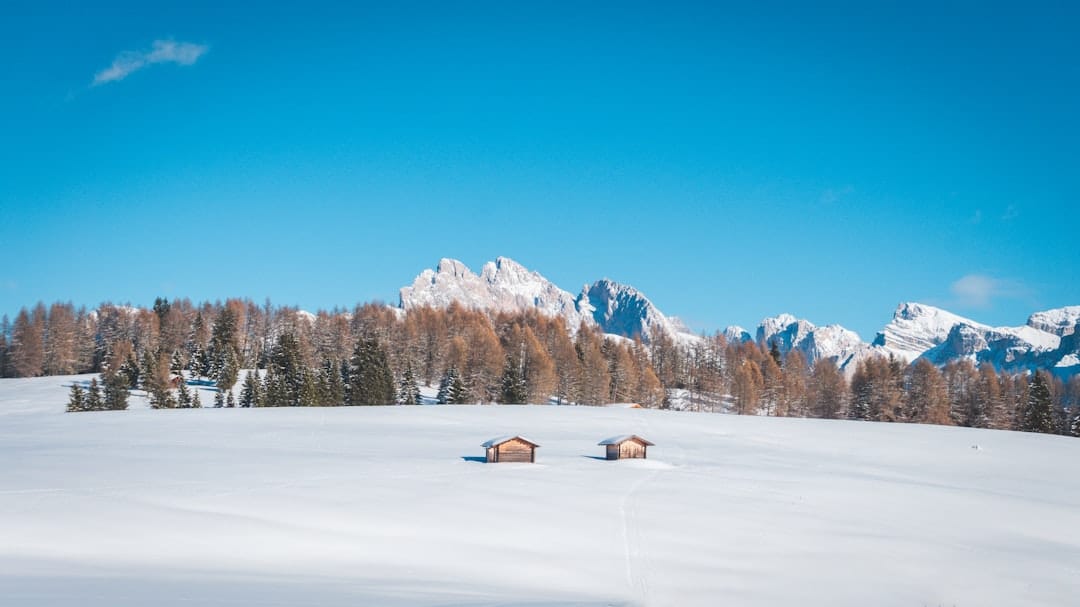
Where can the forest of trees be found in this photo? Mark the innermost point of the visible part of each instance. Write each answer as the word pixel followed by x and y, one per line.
pixel 377 355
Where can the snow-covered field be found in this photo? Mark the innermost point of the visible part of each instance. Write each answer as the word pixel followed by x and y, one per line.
pixel 389 507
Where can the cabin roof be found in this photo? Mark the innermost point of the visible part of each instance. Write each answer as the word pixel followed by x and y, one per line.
pixel 498 440
pixel 617 440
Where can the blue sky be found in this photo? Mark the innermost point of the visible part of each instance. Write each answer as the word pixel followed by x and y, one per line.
pixel 732 162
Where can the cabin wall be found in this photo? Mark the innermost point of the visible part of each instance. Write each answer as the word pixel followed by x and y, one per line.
pixel 515 451
pixel 631 449
pixel 612 451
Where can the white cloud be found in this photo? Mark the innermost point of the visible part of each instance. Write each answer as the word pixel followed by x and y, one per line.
pixel 163 51
pixel 979 290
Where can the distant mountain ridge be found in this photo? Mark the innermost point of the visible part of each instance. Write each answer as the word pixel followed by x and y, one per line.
pixel 504 285
pixel 922 331
pixel 1049 340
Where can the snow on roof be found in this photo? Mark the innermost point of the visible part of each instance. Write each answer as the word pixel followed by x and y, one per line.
pixel 498 440
pixel 615 440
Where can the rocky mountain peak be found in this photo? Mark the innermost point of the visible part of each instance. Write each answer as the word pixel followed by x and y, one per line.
pixel 1059 321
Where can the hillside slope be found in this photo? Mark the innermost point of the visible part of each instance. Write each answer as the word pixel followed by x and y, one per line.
pixel 383 506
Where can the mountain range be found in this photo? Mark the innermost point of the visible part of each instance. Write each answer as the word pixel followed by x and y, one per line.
pixel 1049 340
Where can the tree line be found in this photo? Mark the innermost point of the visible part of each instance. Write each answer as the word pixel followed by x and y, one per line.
pixel 374 354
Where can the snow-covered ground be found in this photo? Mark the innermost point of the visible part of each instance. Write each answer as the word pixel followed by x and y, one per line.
pixel 389 506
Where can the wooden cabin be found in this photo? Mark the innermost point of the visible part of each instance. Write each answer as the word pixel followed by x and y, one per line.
pixel 510 449
pixel 629 446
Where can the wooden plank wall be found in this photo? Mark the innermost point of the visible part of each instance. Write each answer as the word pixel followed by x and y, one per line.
pixel 515 451
pixel 631 449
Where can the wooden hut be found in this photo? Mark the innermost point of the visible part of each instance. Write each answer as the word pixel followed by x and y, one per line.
pixel 510 449
pixel 628 446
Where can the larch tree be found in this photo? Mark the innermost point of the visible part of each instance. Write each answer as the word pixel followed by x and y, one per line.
pixel 928 398
pixel 746 387
pixel 28 342
pixel 796 379
pixel 60 340
pixel 828 390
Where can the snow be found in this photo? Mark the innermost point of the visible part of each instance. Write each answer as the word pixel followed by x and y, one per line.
pixel 390 506
pixel 502 285
pixel 916 328
pixel 1060 321
pixel 817 343
pixel 498 440
pixel 1035 339
pixel 1069 360
pixel 615 440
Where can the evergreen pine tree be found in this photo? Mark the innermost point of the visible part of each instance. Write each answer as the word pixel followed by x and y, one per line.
pixel 452 389
pixel 161 398
pixel 176 363
pixel 514 389
pixel 94 400
pixel 230 402
pixel 372 382
pixel 130 371
pixel 116 391
pixel 1074 428
pixel 408 391
pixel 196 402
pixel 309 390
pixel 76 402
pixel 443 395
pixel 195 362
pixel 219 398
pixel 457 393
pixel 1039 412
pixel 774 352
pixel 229 370
pixel 335 384
pixel 183 396
pixel 249 393
pixel 147 375
pixel 286 374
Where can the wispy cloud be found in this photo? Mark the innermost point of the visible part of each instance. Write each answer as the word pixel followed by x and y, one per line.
pixel 162 51
pixel 980 290
pixel 1011 213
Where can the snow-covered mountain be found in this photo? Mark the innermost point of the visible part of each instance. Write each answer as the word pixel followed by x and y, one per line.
pixel 504 285
pixel 916 328
pixel 1060 321
pixel 919 330
pixel 623 310
pixel 735 333
pixel 1049 340
pixel 816 343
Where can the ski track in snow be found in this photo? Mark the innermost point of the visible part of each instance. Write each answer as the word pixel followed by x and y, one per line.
pixel 637 564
